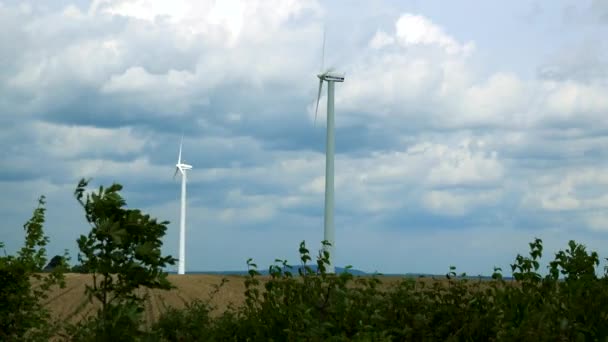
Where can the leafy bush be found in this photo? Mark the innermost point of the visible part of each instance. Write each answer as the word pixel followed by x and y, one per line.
pixel 191 322
pixel 123 253
pixel 316 306
pixel 56 261
pixel 23 286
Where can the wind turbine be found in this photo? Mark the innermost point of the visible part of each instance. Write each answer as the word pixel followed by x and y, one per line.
pixel 331 78
pixel 182 168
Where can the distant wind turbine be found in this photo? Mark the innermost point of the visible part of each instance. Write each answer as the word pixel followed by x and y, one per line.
pixel 330 77
pixel 182 168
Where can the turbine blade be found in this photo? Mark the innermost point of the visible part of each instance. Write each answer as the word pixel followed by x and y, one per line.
pixel 318 98
pixel 323 51
pixel 179 156
pixel 175 174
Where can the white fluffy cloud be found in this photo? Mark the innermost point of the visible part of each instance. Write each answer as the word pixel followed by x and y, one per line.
pixel 453 204
pixel 434 131
pixel 399 79
pixel 119 50
pixel 416 29
pixel 70 142
pixel 578 189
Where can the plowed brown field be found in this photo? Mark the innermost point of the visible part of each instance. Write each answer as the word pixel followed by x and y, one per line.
pixel 71 304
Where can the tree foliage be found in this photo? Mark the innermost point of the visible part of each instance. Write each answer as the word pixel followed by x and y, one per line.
pixel 23 287
pixel 56 261
pixel 315 306
pixel 122 251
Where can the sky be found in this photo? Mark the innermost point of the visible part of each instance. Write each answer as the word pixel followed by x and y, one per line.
pixel 464 129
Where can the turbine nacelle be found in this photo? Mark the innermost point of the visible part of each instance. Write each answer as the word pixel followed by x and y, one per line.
pixel 331 76
pixel 183 167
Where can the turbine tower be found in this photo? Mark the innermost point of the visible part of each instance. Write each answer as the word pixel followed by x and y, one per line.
pixel 331 78
pixel 182 168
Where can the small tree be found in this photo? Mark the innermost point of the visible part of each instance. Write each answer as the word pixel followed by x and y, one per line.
pixel 23 286
pixel 123 252
pixel 56 261
pixel 575 263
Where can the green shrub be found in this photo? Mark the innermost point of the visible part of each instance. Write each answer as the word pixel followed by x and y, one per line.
pixel 193 322
pixel 312 305
pixel 123 253
pixel 23 287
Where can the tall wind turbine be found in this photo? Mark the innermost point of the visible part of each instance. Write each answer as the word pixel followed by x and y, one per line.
pixel 182 168
pixel 331 78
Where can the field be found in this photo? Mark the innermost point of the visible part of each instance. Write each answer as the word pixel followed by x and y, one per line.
pixel 71 304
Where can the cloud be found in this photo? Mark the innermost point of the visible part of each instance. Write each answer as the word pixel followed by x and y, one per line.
pixel 581 189
pixel 413 30
pixel 440 141
pixel 463 166
pixel 574 102
pixel 581 61
pixel 411 85
pixel 416 29
pixel 452 204
pixel 598 222
pixel 380 40
pixel 122 64
pixel 600 9
pixel 71 142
